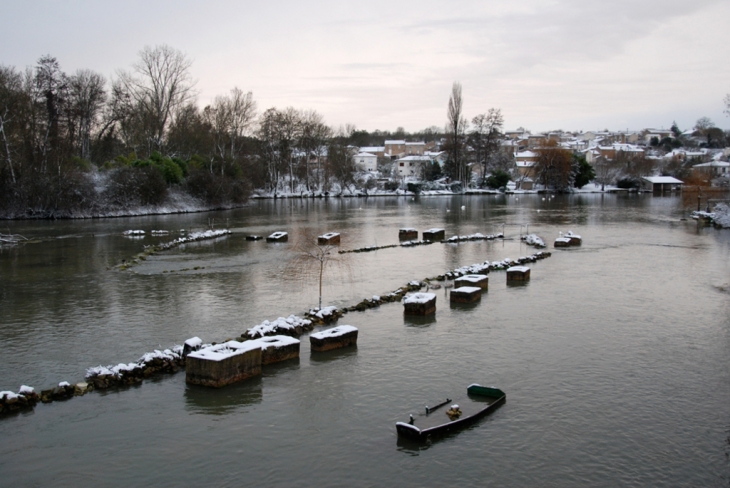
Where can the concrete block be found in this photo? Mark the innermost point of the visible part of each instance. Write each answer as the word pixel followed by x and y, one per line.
pixel 466 294
pixel 419 304
pixel 335 338
pixel 434 235
pixel 518 273
pixel 482 281
pixel 329 238
pixel 223 364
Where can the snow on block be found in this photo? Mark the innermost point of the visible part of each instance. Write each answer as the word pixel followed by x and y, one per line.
pixel 466 294
pixel 253 238
pixel 192 344
pixel 329 238
pixel 278 237
pixel 335 338
pixel 518 273
pixel 133 233
pixel 419 304
pixel 223 364
pixel 575 239
pixel 434 234
pixel 291 326
pixel 482 281
pixel 562 242
pixel 275 349
pixel 407 234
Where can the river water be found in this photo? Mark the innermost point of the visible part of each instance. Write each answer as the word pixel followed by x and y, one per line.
pixel 615 357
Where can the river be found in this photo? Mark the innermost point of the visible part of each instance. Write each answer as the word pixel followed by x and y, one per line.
pixel 615 357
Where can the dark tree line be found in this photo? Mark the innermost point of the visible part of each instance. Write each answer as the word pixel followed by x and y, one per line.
pixel 79 144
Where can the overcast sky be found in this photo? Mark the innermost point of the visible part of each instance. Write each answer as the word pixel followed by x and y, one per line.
pixel 560 64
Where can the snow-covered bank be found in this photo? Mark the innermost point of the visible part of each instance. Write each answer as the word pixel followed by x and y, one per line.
pixel 720 217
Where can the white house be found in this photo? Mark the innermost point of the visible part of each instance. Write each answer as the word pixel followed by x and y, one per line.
pixel 715 168
pixel 410 166
pixel 366 161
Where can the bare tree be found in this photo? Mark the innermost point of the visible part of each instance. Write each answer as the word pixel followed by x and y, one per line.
pixel 11 108
pixel 607 171
pixel 162 85
pixel 315 258
pixel 485 138
pixel 554 166
pixel 87 99
pixel 455 130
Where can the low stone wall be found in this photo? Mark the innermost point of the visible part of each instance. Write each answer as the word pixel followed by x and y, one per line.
pixel 25 399
pixel 223 364
pixel 341 336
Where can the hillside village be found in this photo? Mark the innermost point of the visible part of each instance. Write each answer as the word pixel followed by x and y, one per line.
pixel 619 160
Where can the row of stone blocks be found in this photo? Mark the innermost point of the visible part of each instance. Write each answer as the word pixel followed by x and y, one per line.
pixel 233 361
pixel 428 235
pixel 467 289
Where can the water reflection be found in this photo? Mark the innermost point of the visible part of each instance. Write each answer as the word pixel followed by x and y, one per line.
pixel 334 354
pixel 419 321
pixel 222 401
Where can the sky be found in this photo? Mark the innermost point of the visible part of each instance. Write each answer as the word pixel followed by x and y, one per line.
pixel 546 64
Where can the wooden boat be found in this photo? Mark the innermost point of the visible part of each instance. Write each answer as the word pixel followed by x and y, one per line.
pixel 434 421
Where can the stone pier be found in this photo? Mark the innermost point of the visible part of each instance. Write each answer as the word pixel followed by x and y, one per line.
pixel 518 273
pixel 329 238
pixel 434 235
pixel 278 237
pixel 466 294
pixel 419 304
pixel 340 336
pixel 275 349
pixel 223 364
pixel 407 234
pixel 482 281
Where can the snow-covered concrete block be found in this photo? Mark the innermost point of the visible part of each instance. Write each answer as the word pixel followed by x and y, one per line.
pixel 275 349
pixel 223 364
pixel 329 238
pixel 278 237
pixel 407 234
pixel 335 338
pixel 482 281
pixel 466 294
pixel 434 235
pixel 562 242
pixel 419 304
pixel 518 273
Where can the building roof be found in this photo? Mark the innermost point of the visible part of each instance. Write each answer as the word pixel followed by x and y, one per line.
pixel 392 142
pixel 364 154
pixel 712 164
pixel 663 179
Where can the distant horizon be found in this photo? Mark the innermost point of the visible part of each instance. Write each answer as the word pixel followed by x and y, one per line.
pixel 568 66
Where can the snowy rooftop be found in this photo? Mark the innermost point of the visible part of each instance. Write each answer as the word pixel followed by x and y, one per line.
pixel 372 149
pixel 712 164
pixel 663 179
pixel 387 143
pixel 338 331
